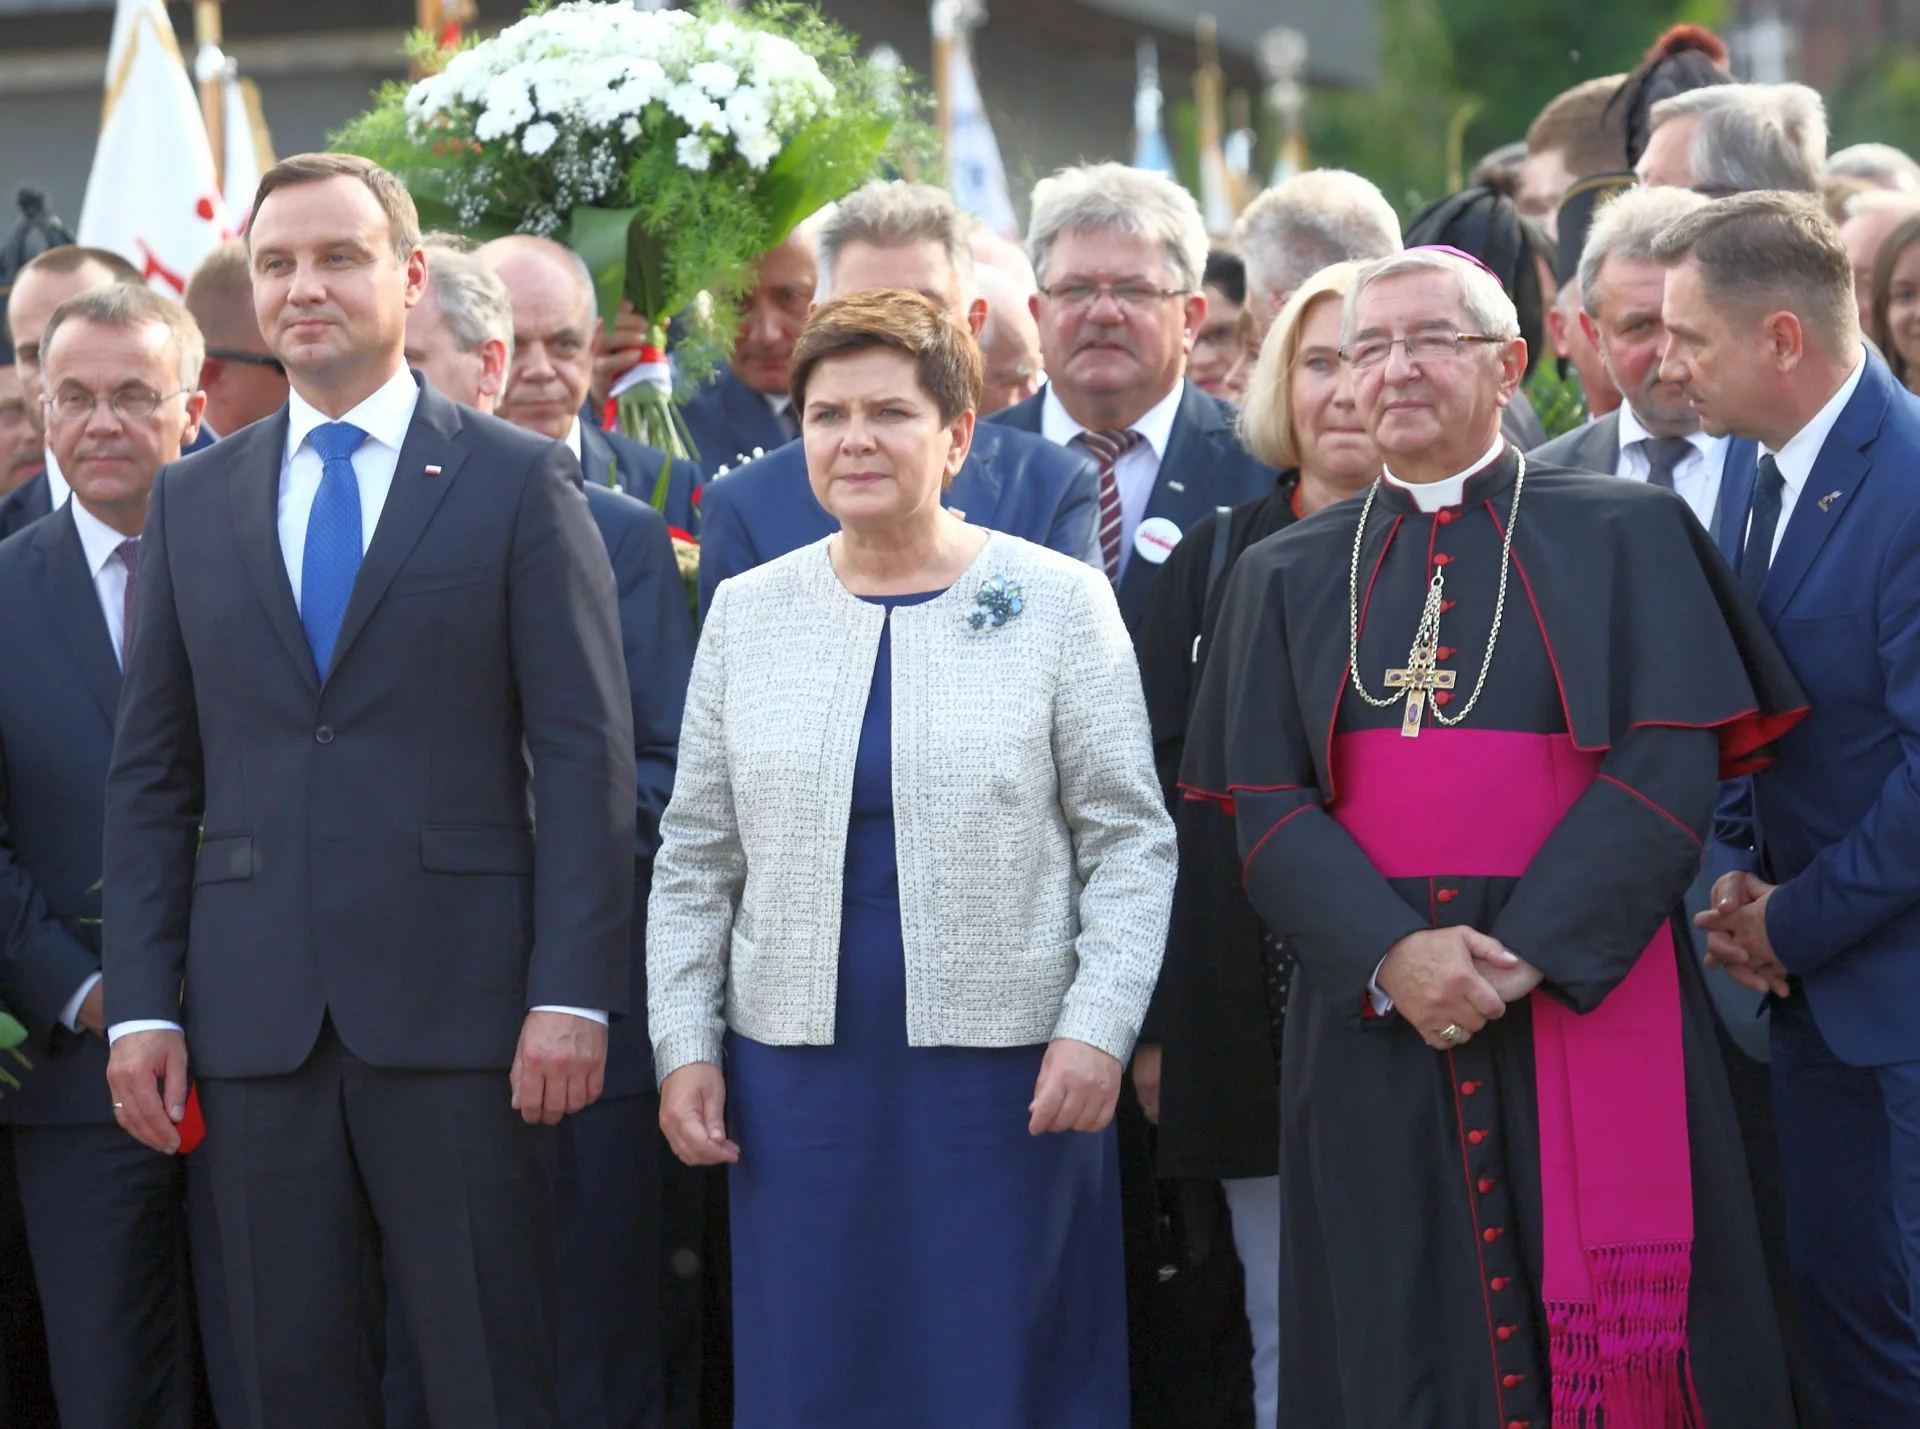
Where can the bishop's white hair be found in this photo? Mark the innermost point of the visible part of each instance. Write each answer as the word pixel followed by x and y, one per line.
pixel 1487 305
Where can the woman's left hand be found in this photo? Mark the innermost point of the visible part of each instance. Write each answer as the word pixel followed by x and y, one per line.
pixel 1078 1087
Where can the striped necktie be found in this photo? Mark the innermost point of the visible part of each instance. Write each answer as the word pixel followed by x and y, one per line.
pixel 1106 448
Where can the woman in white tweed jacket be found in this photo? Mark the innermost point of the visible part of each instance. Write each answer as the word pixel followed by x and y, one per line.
pixel 912 893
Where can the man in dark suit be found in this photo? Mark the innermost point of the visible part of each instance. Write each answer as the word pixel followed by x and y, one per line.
pixel 42 284
pixel 1823 908
pixel 106 1216
pixel 744 412
pixel 22 448
pixel 899 235
pixel 1120 253
pixel 613 1262
pixel 376 646
pixel 554 323
pixel 1655 435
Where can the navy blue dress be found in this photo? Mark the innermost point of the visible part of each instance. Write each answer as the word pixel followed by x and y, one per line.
pixel 905 1255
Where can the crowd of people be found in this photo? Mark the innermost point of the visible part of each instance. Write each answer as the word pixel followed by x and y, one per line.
pixel 1318 830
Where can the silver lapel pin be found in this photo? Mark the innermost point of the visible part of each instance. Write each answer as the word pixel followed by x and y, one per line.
pixel 1826 502
pixel 1175 486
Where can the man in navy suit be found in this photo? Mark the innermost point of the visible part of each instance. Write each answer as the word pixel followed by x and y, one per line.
pixel 744 410
pixel 900 235
pixel 554 322
pixel 1825 913
pixel 42 284
pixel 106 1216
pixel 1120 254
pixel 613 1263
pixel 376 646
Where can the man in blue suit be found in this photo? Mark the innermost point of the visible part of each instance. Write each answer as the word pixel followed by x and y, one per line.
pixel 554 322
pixel 1120 254
pixel 612 1262
pixel 1825 913
pixel 106 1217
pixel 899 235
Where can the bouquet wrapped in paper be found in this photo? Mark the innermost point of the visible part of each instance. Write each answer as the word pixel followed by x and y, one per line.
pixel 669 148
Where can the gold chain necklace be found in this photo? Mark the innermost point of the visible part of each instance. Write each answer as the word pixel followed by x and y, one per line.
pixel 1420 679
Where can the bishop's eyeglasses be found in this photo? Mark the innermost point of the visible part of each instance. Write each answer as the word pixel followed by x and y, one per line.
pixel 1420 347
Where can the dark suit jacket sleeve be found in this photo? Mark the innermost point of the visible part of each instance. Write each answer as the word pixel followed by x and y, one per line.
pixel 564 626
pixel 41 964
pixel 657 631
pixel 726 548
pixel 1873 873
pixel 156 791
pixel 1072 533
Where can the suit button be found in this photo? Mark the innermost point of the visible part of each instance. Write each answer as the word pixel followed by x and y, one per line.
pixel 323 735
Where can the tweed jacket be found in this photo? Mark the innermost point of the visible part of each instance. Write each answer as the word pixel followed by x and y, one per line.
pixel 1036 858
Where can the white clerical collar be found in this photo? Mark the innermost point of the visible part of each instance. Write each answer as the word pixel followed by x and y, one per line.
pixel 1155 425
pixel 98 540
pixel 1435 495
pixel 384 415
pixel 1797 457
pixel 1632 429
pixel 573 441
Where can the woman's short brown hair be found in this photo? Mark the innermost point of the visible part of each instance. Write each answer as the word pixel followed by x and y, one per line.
pixel 944 353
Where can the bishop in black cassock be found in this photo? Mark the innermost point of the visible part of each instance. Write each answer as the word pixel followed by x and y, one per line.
pixel 1545 1219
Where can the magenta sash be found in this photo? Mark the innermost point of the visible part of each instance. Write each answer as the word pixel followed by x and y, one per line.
pixel 1616 1180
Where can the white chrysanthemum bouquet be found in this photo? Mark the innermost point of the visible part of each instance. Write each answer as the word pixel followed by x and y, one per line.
pixel 669 148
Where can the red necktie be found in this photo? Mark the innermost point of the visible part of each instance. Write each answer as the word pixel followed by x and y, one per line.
pixel 1107 448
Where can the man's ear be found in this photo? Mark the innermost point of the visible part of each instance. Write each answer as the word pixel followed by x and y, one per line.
pixel 1786 339
pixel 493 367
pixel 977 317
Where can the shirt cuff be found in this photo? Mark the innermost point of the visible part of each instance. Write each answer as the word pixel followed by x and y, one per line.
pixel 592 1014
pixel 1382 1004
pixel 70 1014
pixel 121 1029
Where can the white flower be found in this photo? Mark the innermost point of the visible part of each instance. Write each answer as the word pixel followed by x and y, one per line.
pixel 719 80
pixel 692 152
pixel 630 130
pixel 693 107
pixel 538 138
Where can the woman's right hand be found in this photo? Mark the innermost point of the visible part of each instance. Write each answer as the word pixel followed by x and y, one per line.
pixel 693 1107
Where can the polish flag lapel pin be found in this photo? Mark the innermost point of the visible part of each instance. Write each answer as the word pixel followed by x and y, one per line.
pixel 433 471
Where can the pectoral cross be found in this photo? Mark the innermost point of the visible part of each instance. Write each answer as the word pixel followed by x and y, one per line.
pixel 1419 680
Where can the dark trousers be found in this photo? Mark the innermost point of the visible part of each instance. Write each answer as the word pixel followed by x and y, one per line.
pixel 323 1174
pixel 26 1383
pixel 107 1227
pixel 1850 1160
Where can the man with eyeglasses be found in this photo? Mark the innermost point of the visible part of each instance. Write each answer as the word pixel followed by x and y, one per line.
pixel 242 379
pixel 106 1218
pixel 42 284
pixel 1469 730
pixel 1120 255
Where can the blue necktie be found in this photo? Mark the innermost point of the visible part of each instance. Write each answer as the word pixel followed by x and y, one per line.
pixel 333 550
pixel 1757 558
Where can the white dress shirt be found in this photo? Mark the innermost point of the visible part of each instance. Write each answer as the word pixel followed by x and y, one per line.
pixel 384 417
pixel 1697 476
pixel 573 441
pixel 99 543
pixel 1431 496
pixel 57 488
pixel 1137 471
pixel 1797 457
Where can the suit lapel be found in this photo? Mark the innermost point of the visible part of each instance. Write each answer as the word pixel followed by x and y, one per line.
pixel 600 464
pixel 1601 450
pixel 411 502
pixel 254 491
pixel 1822 504
pixel 748 413
pixel 76 610
pixel 1023 416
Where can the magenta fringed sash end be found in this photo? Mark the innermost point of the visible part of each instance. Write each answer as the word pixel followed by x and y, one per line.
pixel 1625 1351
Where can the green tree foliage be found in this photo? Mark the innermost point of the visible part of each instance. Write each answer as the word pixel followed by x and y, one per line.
pixel 1881 104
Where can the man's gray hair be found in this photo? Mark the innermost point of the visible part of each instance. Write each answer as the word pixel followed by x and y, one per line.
pixel 1312 221
pixel 474 303
pixel 1628 227
pixel 129 306
pixel 1880 164
pixel 1752 136
pixel 1486 303
pixel 1767 252
pixel 893 214
pixel 1114 198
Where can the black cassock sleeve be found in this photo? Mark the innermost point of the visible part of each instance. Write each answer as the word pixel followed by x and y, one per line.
pixel 1617 865
pixel 1249 743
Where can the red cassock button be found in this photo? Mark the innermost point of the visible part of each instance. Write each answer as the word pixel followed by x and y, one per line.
pixel 1476 1137
pixel 1518 1423
pixel 1447 895
pixel 1443 559
pixel 1467 1089
pixel 1505 1332
pixel 1446 652
pixel 1444 517
pixel 1499 1282
pixel 1486 1184
pixel 1443 697
pixel 1511 1381
pixel 1447 605
pixel 1490 1234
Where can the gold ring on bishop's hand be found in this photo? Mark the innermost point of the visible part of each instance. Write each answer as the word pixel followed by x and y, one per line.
pixel 1451 1034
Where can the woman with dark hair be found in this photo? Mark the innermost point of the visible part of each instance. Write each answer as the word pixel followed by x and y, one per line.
pixel 1896 302
pixel 1684 57
pixel 1489 228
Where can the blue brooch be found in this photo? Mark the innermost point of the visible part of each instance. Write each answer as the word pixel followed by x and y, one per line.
pixel 999 601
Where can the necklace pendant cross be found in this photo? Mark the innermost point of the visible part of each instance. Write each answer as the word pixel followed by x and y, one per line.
pixel 1419 680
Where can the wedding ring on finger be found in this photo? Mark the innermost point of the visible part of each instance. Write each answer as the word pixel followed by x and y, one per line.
pixel 1452 1035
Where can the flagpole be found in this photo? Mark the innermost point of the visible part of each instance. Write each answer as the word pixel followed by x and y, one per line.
pixel 945 18
pixel 213 100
